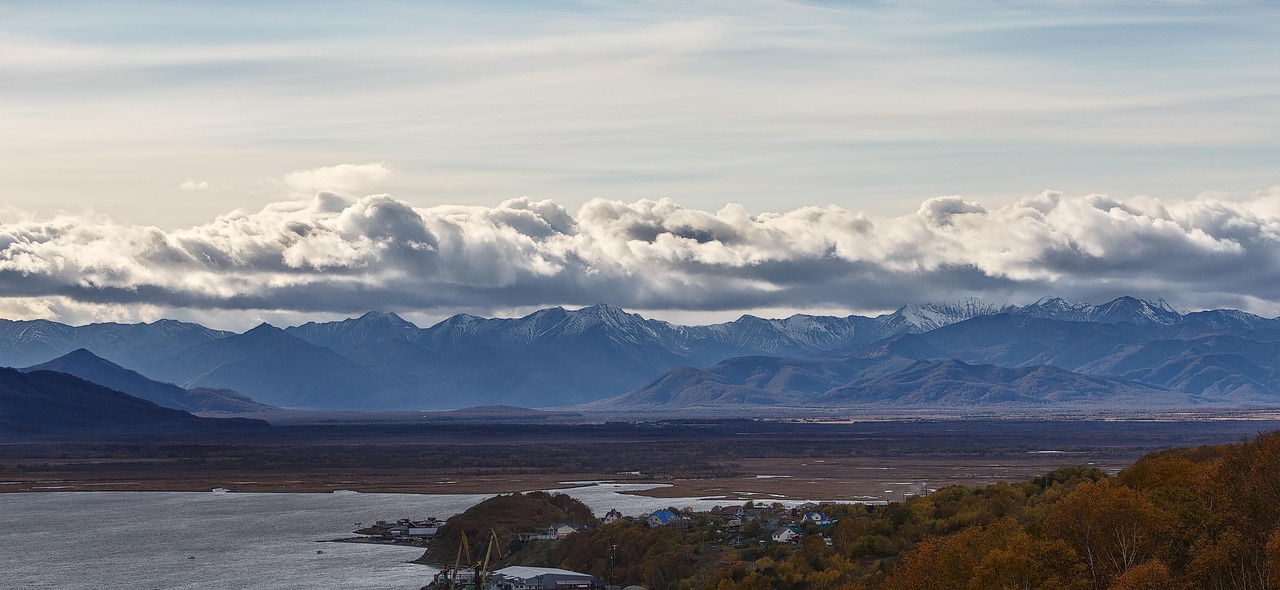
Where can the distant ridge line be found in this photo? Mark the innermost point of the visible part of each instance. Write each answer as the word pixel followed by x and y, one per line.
pixel 554 357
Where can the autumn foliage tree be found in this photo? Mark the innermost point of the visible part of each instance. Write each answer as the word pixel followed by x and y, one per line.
pixel 998 556
pixel 1111 527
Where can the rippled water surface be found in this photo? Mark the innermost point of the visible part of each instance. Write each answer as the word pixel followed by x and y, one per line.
pixel 147 540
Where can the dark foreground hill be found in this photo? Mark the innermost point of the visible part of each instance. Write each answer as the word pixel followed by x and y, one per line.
pixel 506 516
pixel 45 403
pixel 92 368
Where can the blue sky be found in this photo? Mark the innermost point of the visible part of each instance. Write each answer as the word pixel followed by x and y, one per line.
pixel 171 114
pixel 872 106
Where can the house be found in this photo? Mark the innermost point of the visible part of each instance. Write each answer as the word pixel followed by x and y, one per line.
pixel 408 528
pixel 560 531
pixel 612 516
pixel 734 511
pixel 785 535
pixel 817 518
pixel 421 528
pixel 662 518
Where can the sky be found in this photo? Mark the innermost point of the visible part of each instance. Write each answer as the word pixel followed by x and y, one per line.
pixel 235 162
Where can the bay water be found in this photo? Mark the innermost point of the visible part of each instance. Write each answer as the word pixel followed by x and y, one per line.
pixel 180 540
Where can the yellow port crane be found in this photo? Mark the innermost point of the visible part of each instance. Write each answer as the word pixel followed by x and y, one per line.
pixel 451 578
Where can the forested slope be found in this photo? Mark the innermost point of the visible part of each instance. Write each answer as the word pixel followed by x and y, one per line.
pixel 1206 517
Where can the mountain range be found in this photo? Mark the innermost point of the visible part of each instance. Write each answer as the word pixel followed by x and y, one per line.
pixel 1126 352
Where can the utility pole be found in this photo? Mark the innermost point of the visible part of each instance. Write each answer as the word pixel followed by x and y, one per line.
pixel 613 558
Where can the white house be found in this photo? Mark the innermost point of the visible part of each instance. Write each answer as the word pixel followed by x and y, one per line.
pixel 785 535
pixel 561 531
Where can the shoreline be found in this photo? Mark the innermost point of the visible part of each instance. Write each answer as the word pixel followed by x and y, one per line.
pixel 423 544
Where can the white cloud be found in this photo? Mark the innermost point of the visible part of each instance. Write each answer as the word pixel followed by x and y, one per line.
pixel 192 185
pixel 347 179
pixel 333 255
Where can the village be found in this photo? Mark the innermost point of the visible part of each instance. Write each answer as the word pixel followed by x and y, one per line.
pixel 736 525
pixel 416 533
pixel 741 526
pixel 745 524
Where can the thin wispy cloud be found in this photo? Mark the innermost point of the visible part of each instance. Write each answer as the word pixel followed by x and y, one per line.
pixel 770 104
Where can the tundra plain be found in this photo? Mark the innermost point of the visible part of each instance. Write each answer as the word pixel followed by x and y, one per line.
pixel 737 459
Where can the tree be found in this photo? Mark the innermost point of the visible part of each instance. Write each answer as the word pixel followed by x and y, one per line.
pixel 1152 575
pixel 812 548
pixel 997 557
pixel 1111 527
pixel 1273 559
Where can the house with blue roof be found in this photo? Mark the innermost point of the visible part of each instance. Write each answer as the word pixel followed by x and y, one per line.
pixel 817 518
pixel 662 518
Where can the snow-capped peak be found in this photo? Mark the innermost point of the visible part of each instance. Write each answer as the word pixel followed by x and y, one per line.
pixel 931 316
pixel 1121 309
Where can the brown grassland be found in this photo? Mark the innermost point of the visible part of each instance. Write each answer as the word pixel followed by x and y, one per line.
pixel 736 459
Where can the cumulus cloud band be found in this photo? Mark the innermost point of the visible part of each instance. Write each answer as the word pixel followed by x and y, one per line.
pixel 337 254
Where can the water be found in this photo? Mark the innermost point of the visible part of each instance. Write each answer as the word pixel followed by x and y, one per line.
pixel 146 540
